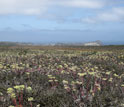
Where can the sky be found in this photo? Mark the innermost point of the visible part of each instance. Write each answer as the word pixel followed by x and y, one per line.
pixel 62 20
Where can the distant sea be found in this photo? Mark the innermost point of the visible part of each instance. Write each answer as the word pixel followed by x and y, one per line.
pixel 113 43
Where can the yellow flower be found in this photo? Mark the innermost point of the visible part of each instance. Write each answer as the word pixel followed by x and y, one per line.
pixel 10 90
pixel 30 99
pixel 22 87
pixel 19 87
pixel 81 74
pixel 60 66
pixel 92 73
pixel 12 95
pixel 92 69
pixel 16 87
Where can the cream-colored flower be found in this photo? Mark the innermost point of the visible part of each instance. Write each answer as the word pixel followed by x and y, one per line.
pixel 78 82
pixel 104 79
pixel 50 80
pixel 115 75
pixel 65 82
pixel 38 105
pixel 108 73
pixel 11 106
pixel 110 80
pixel 29 89
pixel 122 85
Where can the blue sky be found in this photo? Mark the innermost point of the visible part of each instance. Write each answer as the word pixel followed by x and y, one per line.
pixel 61 20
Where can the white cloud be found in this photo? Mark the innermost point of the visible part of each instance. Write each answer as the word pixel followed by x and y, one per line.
pixel 88 20
pixel 28 7
pixel 113 15
pixel 36 7
pixel 83 3
pixel 116 14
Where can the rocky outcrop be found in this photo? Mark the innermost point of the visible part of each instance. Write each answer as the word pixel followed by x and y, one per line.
pixel 96 43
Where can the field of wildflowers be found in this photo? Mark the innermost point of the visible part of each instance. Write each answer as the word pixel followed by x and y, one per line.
pixel 62 77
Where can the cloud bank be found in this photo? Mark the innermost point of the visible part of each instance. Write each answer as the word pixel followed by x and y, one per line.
pixel 36 7
pixel 107 10
pixel 26 7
